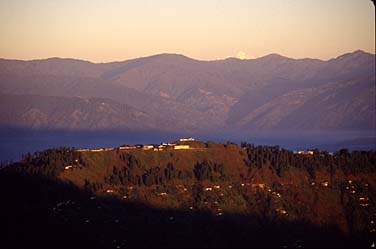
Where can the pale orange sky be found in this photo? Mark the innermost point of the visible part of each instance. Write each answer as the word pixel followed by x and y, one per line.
pixel 115 30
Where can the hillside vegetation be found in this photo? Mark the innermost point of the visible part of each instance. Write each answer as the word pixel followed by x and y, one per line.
pixel 264 189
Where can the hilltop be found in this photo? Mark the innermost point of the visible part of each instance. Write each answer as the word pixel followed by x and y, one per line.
pixel 195 193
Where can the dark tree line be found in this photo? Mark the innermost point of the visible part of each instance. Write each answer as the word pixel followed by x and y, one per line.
pixel 49 162
pixel 92 186
pixel 281 160
pixel 135 173
pixel 209 171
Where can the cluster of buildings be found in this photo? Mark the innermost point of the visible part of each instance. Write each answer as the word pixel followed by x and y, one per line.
pixel 363 200
pixel 190 139
pixel 95 150
pixel 69 167
pixel 162 146
pixel 302 152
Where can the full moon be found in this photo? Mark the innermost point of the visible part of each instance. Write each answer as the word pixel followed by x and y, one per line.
pixel 241 55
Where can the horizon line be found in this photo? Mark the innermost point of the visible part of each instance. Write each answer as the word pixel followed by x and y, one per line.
pixel 182 55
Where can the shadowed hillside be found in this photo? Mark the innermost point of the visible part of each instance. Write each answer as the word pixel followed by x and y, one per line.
pixel 207 195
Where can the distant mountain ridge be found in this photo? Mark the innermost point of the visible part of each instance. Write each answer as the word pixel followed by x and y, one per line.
pixel 176 93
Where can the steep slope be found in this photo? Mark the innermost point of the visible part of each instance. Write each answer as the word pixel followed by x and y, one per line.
pixel 345 105
pixel 70 113
pixel 350 77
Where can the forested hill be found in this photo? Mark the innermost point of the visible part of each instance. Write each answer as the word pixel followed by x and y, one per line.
pixel 207 195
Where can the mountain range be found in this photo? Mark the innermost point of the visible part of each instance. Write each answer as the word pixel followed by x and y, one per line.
pixel 171 92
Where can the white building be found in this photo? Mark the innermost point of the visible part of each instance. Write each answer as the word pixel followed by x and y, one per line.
pixel 68 167
pixel 181 147
pixel 148 147
pixel 186 139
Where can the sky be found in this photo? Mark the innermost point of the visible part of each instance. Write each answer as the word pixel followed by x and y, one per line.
pixel 116 30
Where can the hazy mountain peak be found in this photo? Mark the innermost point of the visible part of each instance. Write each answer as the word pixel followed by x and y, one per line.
pixel 355 55
pixel 272 57
pixel 170 56
pixel 359 52
pixel 276 55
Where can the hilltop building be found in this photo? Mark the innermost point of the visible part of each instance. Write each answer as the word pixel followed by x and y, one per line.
pixel 189 139
pixel 168 144
pixel 127 147
pixel 308 152
pixel 181 147
pixel 82 150
pixel 148 147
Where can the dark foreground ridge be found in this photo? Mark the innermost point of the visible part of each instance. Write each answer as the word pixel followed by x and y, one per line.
pixel 196 195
